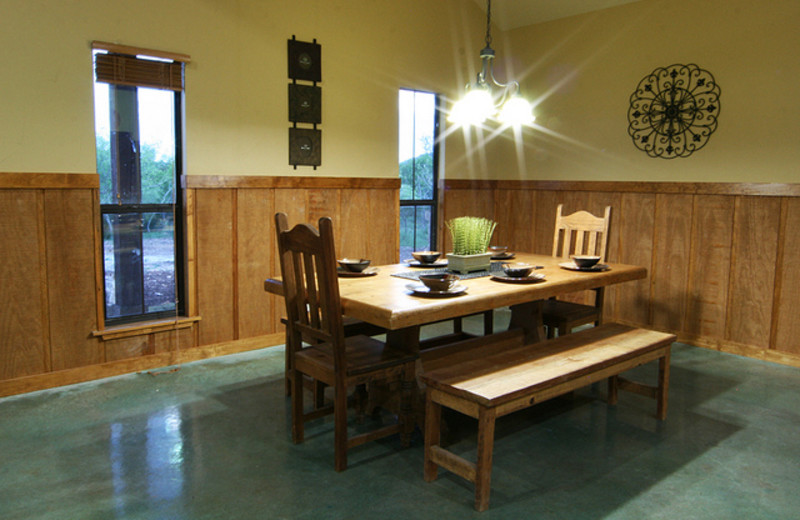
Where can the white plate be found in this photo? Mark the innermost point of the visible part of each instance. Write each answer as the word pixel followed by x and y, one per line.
pixel 420 289
pixel 572 266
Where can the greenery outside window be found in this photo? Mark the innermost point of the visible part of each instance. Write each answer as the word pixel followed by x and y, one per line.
pixel 419 158
pixel 138 128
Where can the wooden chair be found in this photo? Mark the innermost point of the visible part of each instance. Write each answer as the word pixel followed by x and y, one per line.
pixel 317 345
pixel 580 233
pixel 352 327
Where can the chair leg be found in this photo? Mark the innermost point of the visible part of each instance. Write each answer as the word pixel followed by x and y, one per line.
pixel 564 329
pixel 599 302
pixel 663 386
pixel 319 394
pixel 488 323
pixel 406 405
pixel 340 427
pixel 458 325
pixel 361 401
pixel 297 407
pixel 288 362
pixel 433 419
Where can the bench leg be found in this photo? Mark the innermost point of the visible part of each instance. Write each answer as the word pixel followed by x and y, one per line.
pixel 663 386
pixel 433 419
pixel 483 466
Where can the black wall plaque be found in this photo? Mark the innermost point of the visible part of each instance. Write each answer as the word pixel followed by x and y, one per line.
pixel 305 104
pixel 305 147
pixel 304 60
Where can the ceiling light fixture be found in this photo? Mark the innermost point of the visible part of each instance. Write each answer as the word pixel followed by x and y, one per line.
pixel 481 103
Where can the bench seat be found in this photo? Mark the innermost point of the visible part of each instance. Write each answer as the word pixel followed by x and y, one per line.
pixel 492 376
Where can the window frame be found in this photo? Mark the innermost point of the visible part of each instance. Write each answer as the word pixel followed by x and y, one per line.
pixel 176 208
pixel 433 202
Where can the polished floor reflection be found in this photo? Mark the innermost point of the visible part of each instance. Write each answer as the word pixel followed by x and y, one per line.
pixel 211 440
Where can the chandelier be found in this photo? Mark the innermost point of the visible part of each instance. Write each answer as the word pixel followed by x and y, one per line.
pixel 481 102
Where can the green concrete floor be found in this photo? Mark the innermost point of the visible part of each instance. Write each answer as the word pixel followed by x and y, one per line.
pixel 211 440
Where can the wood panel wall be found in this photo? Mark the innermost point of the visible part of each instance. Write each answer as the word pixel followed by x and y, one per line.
pixel 47 274
pixel 722 258
pixel 51 330
pixel 237 250
pixel 722 261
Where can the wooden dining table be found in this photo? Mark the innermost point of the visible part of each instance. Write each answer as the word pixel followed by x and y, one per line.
pixel 385 300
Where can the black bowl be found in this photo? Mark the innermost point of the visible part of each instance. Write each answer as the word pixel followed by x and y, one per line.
pixel 517 269
pixel 355 265
pixel 585 261
pixel 439 282
pixel 426 257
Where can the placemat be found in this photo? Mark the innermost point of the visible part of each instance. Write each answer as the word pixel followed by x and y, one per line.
pixel 494 267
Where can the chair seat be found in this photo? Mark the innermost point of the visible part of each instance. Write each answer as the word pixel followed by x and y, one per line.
pixel 352 327
pixel 557 311
pixel 363 353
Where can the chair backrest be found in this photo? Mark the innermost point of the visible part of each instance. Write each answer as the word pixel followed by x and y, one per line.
pixel 581 233
pixel 310 284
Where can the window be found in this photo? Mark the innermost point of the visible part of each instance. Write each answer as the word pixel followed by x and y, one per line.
pixel 419 157
pixel 138 100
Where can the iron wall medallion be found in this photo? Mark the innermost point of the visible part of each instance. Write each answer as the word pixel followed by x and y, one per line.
pixel 674 111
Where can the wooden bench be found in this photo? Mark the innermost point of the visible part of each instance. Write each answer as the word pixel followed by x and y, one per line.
pixel 486 379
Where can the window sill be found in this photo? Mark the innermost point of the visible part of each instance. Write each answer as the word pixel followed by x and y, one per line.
pixel 146 327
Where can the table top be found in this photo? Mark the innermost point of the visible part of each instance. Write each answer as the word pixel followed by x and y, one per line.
pixel 385 301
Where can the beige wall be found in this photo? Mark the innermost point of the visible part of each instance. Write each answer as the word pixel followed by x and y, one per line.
pixel 583 70
pixel 236 106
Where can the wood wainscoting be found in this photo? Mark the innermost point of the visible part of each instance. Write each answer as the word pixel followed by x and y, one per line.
pixel 235 247
pixel 51 330
pixel 722 258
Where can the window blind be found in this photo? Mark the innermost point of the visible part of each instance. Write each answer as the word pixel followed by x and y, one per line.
pixel 121 66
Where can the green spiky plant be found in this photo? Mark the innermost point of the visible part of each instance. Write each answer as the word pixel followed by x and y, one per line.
pixel 471 235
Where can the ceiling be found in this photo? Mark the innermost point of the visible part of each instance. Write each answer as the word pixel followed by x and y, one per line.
pixel 510 14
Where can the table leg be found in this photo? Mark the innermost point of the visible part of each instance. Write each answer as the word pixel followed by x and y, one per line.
pixel 528 317
pixel 404 339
